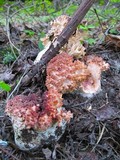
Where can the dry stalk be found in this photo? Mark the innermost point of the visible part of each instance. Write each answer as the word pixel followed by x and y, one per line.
pixel 8 29
pixel 16 87
pixel 95 11
pixel 100 136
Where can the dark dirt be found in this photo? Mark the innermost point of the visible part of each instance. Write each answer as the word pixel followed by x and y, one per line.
pixel 93 133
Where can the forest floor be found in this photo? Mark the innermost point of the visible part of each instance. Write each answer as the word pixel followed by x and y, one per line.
pixel 94 131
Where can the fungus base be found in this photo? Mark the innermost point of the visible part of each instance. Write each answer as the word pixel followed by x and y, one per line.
pixel 30 139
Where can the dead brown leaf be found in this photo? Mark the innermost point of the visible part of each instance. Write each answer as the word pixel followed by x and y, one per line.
pixel 113 40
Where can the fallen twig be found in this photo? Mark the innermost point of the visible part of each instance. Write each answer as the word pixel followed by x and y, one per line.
pixel 8 29
pixel 100 136
pixel 9 154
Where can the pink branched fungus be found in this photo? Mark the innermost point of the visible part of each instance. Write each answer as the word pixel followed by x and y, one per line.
pixel 65 74
pixel 53 106
pixel 33 114
pixel 24 108
pixel 39 117
pixel 95 65
pixel 52 101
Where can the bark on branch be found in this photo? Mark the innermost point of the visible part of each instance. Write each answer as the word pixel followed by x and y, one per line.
pixel 62 38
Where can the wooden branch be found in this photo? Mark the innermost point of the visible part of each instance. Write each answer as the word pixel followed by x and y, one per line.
pixel 62 38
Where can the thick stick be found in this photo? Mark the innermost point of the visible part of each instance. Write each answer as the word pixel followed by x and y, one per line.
pixel 62 38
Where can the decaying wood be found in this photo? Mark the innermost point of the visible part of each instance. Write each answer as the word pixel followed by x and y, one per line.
pixel 61 40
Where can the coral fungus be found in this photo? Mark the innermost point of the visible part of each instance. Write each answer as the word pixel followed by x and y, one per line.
pixel 58 25
pixel 25 109
pixel 56 28
pixel 65 75
pixel 73 46
pixel 95 66
pixel 31 113
pixel 92 59
pixel 52 103
pixel 39 117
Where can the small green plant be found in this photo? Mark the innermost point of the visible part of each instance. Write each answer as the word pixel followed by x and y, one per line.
pixel 113 31
pixel 86 27
pixel 29 32
pixel 71 9
pixel 4 86
pixel 40 45
pixel 9 58
pixel 91 41
pixel 2 2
